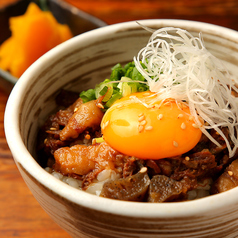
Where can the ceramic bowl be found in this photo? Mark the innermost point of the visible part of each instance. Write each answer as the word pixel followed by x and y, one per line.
pixel 79 64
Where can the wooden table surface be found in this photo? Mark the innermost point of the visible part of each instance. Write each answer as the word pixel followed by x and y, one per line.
pixel 20 214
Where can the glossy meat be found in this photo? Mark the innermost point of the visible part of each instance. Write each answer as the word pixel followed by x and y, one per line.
pixel 49 135
pixel 87 115
pixel 228 180
pixel 62 116
pixel 81 159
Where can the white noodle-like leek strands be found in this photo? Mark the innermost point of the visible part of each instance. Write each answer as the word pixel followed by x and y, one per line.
pixel 179 66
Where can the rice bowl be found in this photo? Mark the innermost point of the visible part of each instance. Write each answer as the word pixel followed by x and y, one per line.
pixel 85 214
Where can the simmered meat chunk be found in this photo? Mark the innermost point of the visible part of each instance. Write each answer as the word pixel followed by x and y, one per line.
pixel 165 189
pixel 228 180
pixel 81 159
pixel 195 165
pixel 62 116
pixel 131 188
pixel 49 140
pixel 87 115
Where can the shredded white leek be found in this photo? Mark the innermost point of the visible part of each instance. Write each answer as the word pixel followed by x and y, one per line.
pixel 179 66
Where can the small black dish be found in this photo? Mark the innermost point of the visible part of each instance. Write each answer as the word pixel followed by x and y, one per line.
pixel 77 20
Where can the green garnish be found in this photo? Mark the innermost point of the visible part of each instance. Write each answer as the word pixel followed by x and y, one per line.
pixel 98 140
pixel 88 95
pixel 112 100
pixel 123 81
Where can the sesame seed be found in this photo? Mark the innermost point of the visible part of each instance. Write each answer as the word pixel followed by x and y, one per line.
pixel 195 125
pixel 175 144
pixel 142 123
pixel 94 141
pixel 184 106
pixel 151 106
pixel 143 170
pixel 187 158
pixel 140 128
pixel 183 126
pixel 141 114
pixel 167 103
pixel 119 156
pixel 160 116
pixel 104 125
pixel 53 129
pixel 119 106
pixel 100 105
pixel 141 118
pixel 157 106
pixel 146 94
pixel 149 128
pixel 76 109
pixel 180 115
pixel 230 173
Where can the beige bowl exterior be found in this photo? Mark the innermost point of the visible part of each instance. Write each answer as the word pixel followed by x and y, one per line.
pixel 79 64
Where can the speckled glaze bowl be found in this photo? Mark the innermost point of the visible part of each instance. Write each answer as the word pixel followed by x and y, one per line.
pixel 77 65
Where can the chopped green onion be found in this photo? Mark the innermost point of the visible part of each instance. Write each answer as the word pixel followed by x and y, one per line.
pixel 142 88
pixel 88 95
pixel 117 72
pixel 117 66
pixel 129 65
pixel 101 88
pixel 126 89
pixel 99 140
pixel 103 91
pixel 123 81
pixel 129 72
pixel 108 93
pixel 136 75
pixel 133 87
pixel 113 99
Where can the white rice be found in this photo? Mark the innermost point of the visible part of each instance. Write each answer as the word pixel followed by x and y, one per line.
pixel 104 176
pixel 203 190
pixel 94 188
pixel 70 181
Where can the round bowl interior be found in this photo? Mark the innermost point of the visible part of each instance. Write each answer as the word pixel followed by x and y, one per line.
pixel 79 64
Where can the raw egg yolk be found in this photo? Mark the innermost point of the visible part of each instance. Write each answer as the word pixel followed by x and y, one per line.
pixel 139 125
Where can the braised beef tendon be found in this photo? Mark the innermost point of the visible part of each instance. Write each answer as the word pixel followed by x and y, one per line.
pixel 165 189
pixel 131 188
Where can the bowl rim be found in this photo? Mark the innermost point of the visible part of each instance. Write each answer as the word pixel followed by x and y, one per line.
pixel 124 208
